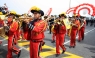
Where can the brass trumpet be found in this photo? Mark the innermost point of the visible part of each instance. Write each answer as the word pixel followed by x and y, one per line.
pixel 59 22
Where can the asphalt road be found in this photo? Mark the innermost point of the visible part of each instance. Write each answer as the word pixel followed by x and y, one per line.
pixel 83 49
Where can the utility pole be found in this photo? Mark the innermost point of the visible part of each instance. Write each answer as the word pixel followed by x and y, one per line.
pixel 70 4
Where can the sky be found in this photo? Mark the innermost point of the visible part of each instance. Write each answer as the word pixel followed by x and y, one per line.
pixel 58 6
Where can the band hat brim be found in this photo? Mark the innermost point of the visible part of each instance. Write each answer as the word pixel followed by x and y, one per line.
pixel 40 11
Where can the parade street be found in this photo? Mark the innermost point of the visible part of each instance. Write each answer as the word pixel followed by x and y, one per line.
pixel 83 49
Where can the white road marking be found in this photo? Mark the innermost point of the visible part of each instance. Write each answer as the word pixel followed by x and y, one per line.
pixel 23 48
pixel 84 33
pixel 67 42
pixel 5 44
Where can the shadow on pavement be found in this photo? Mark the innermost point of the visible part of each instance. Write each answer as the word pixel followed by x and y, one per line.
pixel 48 39
pixel 3 53
pixel 60 56
pixel 92 49
pixel 46 49
pixel 67 45
pixel 93 56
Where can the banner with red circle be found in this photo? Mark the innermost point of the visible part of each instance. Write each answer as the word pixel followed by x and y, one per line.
pixel 89 7
pixel 70 10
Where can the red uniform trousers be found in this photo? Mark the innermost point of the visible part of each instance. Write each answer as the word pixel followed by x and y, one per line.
pixel 16 36
pixel 53 36
pixel 59 42
pixel 34 49
pixel 73 37
pixel 81 33
pixel 11 48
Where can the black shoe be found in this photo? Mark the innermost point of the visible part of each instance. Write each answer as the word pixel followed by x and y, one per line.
pixel 73 46
pixel 49 32
pixel 53 41
pixel 78 40
pixel 57 55
pixel 63 51
pixel 43 43
pixel 19 54
pixel 70 46
pixel 82 38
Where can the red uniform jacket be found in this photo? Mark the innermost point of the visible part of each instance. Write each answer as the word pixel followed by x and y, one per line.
pixel 38 31
pixel 60 29
pixel 77 23
pixel 13 28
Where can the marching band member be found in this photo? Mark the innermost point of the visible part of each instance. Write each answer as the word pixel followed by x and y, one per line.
pixel 60 31
pixel 74 28
pixel 37 27
pixel 82 28
pixel 51 20
pixel 11 36
pixel 53 32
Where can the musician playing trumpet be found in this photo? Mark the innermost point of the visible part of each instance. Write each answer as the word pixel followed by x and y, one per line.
pixel 60 31
pixel 73 31
pixel 82 28
pixel 12 28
